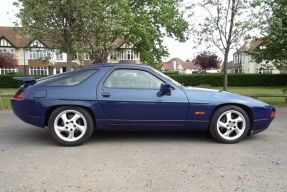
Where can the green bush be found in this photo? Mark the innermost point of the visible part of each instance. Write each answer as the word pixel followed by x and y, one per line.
pixel 236 80
pixel 7 81
pixel 214 80
pixel 284 90
pixel 16 74
pixel 170 72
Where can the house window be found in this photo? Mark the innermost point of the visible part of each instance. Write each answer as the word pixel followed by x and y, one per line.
pixel 37 54
pixel 86 56
pixel 4 71
pixel 76 56
pixel 128 55
pixel 7 50
pixel 237 58
pixel 59 56
pixel 265 71
pixel 38 71
pixel 113 55
pixel 58 70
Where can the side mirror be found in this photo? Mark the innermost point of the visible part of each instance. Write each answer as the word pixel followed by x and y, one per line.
pixel 164 89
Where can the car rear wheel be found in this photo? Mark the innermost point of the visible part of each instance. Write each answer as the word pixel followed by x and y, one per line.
pixel 70 125
pixel 229 124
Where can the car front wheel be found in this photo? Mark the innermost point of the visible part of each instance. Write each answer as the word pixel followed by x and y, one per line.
pixel 70 125
pixel 229 124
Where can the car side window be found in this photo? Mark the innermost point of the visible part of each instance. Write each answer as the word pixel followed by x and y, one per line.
pixel 132 79
pixel 67 79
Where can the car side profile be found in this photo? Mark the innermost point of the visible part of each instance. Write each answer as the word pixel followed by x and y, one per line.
pixel 133 97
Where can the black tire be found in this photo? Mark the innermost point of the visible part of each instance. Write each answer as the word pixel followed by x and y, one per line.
pixel 70 125
pixel 229 124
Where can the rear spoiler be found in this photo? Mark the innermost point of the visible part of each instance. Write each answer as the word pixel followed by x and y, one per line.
pixel 26 79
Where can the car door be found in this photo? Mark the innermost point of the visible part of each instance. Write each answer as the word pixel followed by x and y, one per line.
pixel 130 97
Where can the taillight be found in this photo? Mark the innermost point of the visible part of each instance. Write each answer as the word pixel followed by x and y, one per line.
pixel 273 114
pixel 20 95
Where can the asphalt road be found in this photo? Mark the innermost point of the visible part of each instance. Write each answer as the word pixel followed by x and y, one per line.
pixel 142 161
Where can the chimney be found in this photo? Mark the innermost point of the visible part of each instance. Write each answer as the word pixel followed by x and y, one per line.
pixel 247 41
pixel 174 64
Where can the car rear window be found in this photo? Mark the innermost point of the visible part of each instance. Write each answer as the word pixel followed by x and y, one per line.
pixel 67 79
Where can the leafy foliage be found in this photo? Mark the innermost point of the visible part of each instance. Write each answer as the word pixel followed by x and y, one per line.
pixel 224 25
pixel 92 26
pixel 237 80
pixel 207 60
pixel 151 20
pixel 7 60
pixel 7 81
pixel 273 25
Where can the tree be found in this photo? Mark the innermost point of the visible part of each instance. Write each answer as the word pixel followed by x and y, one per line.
pixel 7 60
pixel 92 26
pixel 150 21
pixel 273 26
pixel 67 23
pixel 207 60
pixel 223 26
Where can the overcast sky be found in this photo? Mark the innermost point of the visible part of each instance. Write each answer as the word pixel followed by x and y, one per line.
pixel 180 50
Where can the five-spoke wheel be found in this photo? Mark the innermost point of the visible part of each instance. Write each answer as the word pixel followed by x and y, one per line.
pixel 70 125
pixel 229 124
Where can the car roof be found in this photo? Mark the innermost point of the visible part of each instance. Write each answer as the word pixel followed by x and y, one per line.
pixel 118 65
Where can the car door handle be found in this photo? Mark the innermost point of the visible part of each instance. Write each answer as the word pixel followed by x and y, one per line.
pixel 106 94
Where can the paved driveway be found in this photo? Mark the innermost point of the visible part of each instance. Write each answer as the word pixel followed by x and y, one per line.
pixel 141 161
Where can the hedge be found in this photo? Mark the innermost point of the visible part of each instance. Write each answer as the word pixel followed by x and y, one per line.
pixel 239 80
pixel 7 81
pixel 214 80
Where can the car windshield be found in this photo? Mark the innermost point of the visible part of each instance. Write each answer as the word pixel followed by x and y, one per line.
pixel 167 77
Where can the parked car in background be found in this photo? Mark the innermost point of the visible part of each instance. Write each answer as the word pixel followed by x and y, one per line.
pixel 133 97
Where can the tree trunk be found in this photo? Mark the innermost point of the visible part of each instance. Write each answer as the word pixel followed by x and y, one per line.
pixel 225 70
pixel 69 60
pixel 228 43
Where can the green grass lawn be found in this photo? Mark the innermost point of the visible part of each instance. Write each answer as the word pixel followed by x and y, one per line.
pixel 259 90
pixel 239 90
pixel 6 100
pixel 10 91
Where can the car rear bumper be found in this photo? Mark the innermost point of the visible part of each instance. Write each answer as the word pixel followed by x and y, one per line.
pixel 19 108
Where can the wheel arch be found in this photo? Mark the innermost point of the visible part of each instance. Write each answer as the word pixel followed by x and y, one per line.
pixel 244 107
pixel 51 109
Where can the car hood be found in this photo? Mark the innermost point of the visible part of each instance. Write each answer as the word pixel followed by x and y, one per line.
pixel 216 97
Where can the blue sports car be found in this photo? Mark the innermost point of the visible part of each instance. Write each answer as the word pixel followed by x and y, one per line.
pixel 133 97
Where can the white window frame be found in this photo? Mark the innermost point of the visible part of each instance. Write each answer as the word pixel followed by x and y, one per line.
pixel 37 54
pixel 76 56
pixel 8 50
pixel 59 55
pixel 86 56
pixel 128 54
pixel 4 71
pixel 113 55
pixel 265 71
pixel 38 71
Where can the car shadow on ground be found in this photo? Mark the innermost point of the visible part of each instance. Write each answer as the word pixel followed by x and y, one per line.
pixel 150 136
pixel 41 137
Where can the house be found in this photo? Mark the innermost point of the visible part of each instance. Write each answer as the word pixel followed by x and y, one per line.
pixel 39 57
pixel 233 68
pixel 245 64
pixel 176 64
